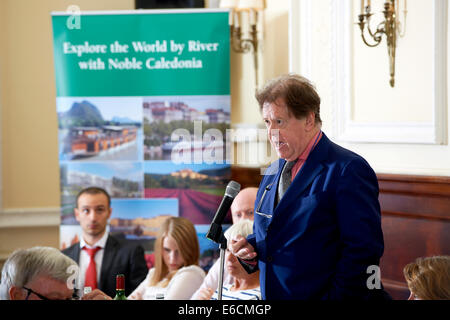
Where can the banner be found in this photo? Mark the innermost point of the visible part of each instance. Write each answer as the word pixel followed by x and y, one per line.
pixel 143 104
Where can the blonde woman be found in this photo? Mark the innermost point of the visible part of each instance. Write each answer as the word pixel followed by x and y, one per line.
pixel 429 278
pixel 176 274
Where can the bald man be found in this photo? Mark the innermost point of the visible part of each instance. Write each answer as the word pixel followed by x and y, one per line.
pixel 243 205
pixel 241 208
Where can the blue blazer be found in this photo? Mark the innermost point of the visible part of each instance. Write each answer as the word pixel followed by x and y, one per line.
pixel 318 242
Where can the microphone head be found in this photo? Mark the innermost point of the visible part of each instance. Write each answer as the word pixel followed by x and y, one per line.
pixel 232 189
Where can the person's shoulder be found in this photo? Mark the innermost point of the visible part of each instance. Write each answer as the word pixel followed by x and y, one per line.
pixel 273 168
pixel 123 242
pixel 70 249
pixel 348 163
pixel 192 269
pixel 341 152
pixel 270 173
pixel 345 156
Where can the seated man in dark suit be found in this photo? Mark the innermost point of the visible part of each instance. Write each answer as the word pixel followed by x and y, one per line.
pixel 99 255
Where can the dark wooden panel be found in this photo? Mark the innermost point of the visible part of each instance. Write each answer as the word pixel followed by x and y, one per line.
pixel 409 238
pixel 415 206
pixel 397 290
pixel 419 185
pixel 247 177
pixel 416 223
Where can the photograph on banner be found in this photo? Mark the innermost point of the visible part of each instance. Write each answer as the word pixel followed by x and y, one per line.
pixel 70 234
pixel 121 179
pixel 190 129
pixel 99 128
pixel 199 187
pixel 139 220
pixel 209 250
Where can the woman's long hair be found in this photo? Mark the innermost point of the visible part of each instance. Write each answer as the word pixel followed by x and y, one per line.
pixel 429 278
pixel 183 232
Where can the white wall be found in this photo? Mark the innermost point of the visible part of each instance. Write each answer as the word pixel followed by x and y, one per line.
pixel 400 130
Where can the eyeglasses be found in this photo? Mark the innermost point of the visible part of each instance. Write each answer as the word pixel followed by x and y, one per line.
pixel 40 296
pixel 258 208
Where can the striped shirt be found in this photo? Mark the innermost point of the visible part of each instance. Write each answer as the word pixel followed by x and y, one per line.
pixel 249 294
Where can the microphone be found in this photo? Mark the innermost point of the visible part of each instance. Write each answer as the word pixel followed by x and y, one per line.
pixel 215 230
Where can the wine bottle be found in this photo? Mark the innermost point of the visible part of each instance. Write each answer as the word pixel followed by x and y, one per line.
pixel 120 287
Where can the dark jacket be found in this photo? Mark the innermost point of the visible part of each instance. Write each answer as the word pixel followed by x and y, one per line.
pixel 120 256
pixel 318 242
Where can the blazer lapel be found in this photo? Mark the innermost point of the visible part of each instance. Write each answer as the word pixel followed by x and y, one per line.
pixel 310 169
pixel 108 258
pixel 266 205
pixel 73 252
pixel 76 253
pixel 272 193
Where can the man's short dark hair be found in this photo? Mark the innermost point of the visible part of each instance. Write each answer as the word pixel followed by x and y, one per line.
pixel 297 92
pixel 94 190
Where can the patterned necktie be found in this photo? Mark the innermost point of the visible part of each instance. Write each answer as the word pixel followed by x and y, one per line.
pixel 285 179
pixel 90 279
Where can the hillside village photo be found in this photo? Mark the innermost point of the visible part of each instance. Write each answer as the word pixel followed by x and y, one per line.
pixel 163 116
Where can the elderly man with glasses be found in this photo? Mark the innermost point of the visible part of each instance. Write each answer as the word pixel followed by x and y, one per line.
pixel 38 273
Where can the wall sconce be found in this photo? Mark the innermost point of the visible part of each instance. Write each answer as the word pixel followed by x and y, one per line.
pixel 391 27
pixel 240 42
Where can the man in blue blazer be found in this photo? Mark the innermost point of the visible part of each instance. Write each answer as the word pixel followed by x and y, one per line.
pixel 317 231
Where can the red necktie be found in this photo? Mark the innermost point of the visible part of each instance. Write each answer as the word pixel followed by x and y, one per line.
pixel 91 271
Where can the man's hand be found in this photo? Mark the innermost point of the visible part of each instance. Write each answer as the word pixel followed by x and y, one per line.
pixel 242 249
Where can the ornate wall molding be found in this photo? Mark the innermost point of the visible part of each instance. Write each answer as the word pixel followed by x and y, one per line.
pixel 30 217
pixel 348 130
pixel 300 37
pixel 345 129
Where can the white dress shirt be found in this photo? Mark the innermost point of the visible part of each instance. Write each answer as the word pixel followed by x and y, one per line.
pixel 85 259
pixel 181 287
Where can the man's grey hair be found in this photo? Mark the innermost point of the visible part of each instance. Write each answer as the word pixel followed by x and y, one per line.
pixel 243 228
pixel 25 265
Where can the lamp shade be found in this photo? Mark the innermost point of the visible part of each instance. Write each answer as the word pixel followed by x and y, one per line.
pixel 250 4
pixel 228 3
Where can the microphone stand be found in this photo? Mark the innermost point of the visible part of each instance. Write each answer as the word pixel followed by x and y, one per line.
pixel 223 247
pixel 215 234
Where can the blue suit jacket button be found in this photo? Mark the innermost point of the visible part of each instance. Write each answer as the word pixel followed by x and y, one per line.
pixel 269 259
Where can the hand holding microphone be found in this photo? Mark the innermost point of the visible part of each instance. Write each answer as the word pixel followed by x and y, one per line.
pixel 238 246
pixel 242 249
